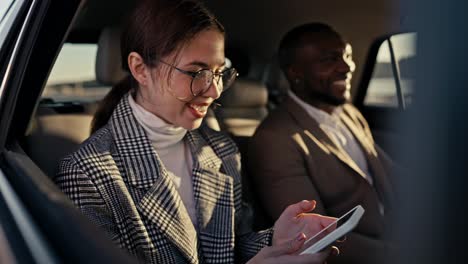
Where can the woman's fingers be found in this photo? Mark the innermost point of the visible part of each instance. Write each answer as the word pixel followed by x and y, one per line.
pixel 299 208
pixel 288 247
pixel 296 244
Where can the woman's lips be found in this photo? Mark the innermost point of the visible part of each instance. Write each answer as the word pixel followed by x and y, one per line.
pixel 198 110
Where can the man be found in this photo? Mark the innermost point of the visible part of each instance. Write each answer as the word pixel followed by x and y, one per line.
pixel 316 145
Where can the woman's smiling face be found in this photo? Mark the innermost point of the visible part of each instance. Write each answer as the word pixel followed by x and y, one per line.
pixel 166 92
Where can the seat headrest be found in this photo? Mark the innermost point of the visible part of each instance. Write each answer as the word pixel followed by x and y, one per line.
pixel 108 62
pixel 245 93
pixel 275 79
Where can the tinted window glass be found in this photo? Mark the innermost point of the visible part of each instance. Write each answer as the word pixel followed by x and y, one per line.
pixel 382 90
pixel 8 10
pixel 4 7
pixel 73 76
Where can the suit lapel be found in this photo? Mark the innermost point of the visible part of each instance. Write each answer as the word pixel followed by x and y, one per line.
pixel 313 131
pixel 366 142
pixel 161 204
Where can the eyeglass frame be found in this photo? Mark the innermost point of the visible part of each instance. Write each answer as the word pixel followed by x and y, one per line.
pixel 193 74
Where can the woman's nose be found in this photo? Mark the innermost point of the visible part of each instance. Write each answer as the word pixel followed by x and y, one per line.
pixel 215 89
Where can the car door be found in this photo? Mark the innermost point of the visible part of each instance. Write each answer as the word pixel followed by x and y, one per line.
pixel 38 224
pixel 20 238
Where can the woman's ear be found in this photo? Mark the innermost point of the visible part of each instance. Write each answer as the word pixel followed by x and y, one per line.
pixel 138 68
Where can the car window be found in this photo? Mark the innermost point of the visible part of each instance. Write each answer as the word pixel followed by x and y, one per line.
pixel 73 75
pixel 4 6
pixel 386 77
pixel 8 11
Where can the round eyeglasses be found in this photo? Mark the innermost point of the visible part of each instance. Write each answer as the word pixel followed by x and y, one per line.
pixel 203 79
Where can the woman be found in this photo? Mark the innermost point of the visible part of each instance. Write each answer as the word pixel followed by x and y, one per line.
pixel 162 185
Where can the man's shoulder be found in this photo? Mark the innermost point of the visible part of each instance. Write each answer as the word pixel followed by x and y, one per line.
pixel 277 117
pixel 277 124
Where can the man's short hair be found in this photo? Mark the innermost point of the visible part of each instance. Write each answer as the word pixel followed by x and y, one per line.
pixel 294 40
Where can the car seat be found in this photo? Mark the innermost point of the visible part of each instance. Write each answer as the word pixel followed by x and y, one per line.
pixel 243 107
pixel 54 134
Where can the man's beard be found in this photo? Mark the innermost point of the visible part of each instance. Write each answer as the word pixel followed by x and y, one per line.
pixel 326 98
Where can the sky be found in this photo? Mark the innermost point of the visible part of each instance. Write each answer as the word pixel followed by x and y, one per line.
pixel 403 44
pixel 76 62
pixel 3 6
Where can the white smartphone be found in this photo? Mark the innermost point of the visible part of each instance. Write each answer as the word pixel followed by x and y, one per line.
pixel 334 231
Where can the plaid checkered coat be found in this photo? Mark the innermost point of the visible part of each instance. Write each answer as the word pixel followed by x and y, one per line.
pixel 118 181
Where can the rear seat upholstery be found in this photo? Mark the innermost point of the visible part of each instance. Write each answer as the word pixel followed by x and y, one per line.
pixel 108 61
pixel 276 83
pixel 243 107
pixel 53 135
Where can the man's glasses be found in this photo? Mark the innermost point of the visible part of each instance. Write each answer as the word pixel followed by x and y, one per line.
pixel 203 79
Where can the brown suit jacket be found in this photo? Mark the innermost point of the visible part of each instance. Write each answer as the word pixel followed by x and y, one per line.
pixel 291 159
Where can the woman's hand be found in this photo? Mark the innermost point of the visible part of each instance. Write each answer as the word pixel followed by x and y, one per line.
pixel 287 253
pixel 295 219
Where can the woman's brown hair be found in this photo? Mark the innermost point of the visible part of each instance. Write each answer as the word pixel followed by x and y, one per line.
pixel 155 29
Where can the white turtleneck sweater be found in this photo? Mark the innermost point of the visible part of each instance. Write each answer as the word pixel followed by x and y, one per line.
pixel 174 153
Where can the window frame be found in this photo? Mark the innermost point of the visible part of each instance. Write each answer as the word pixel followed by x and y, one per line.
pixel 359 99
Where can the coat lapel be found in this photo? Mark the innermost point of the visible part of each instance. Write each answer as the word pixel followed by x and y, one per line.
pixel 161 205
pixel 313 131
pixel 366 142
pixel 213 191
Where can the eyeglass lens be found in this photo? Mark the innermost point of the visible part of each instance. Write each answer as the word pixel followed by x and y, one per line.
pixel 204 78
